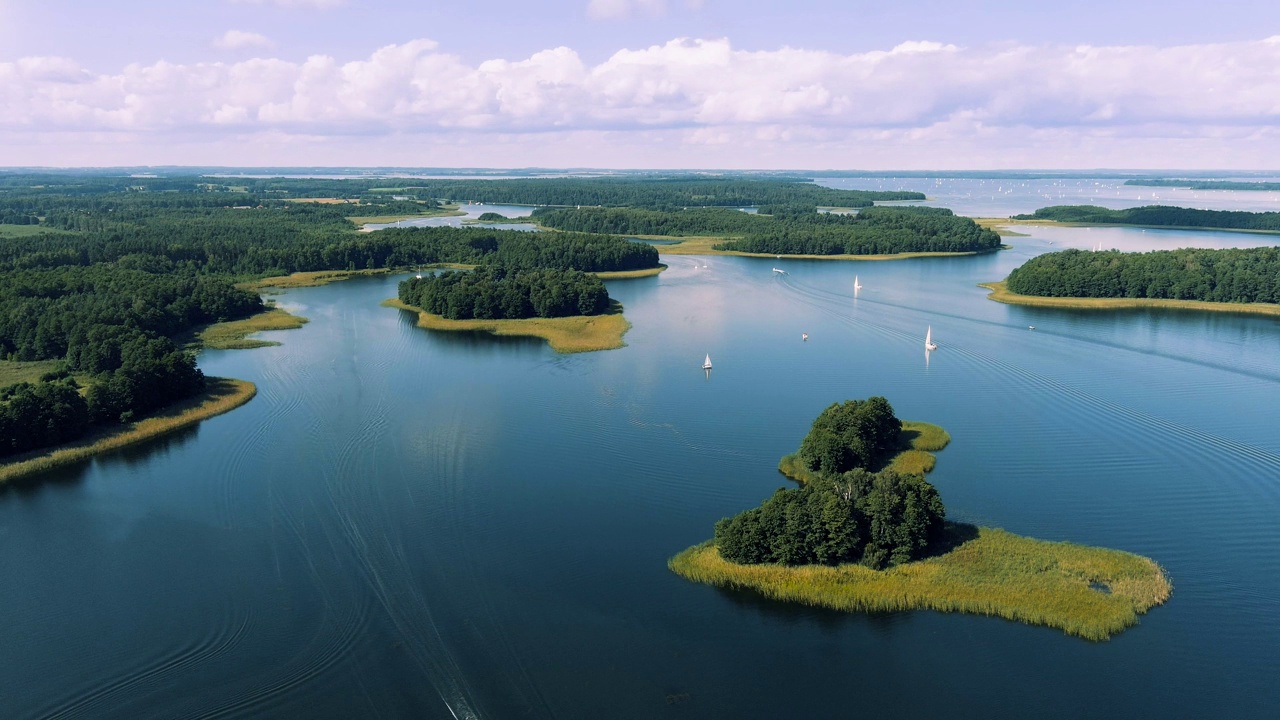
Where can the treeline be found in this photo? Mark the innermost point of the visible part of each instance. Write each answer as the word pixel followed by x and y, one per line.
pixel 494 293
pixel 1206 184
pixel 1158 215
pixel 873 231
pixel 151 373
pixel 1231 275
pixel 791 229
pixel 844 513
pixel 259 241
pixel 679 190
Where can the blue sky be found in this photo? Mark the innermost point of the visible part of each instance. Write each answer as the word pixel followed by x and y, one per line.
pixel 641 83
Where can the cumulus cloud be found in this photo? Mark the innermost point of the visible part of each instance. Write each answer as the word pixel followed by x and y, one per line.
pixel 241 39
pixel 693 92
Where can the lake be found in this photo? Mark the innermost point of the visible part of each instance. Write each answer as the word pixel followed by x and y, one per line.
pixel 412 524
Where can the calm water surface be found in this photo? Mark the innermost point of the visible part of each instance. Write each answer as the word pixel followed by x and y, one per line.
pixel 410 524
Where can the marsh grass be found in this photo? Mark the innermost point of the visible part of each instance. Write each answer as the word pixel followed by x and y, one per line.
pixel 1001 293
pixel 12 371
pixel 629 274
pixel 233 335
pixel 982 571
pixel 308 279
pixel 576 334
pixel 220 395
pixel 917 441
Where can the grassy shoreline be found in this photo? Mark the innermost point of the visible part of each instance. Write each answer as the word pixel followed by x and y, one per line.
pixel 629 274
pixel 234 334
pixel 565 335
pixel 1086 592
pixel 221 395
pixel 1001 293
pixel 996 223
pixel 917 441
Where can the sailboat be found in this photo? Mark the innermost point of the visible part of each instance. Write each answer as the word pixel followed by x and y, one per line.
pixel 929 344
pixel 706 364
pixel 856 285
pixel 783 272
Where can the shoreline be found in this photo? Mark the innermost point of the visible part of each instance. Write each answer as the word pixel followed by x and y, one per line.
pixel 234 334
pixel 999 292
pixel 575 334
pixel 220 395
pixel 1087 592
pixel 629 274
pixel 995 223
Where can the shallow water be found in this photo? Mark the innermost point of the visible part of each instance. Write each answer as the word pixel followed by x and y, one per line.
pixel 412 524
pixel 472 211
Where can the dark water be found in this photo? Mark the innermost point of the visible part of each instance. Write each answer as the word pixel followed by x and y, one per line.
pixel 415 525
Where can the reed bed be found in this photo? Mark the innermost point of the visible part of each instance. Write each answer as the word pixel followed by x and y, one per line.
pixel 308 279
pixel 221 395
pixel 629 274
pixel 581 333
pixel 1087 592
pixel 1001 293
pixel 234 335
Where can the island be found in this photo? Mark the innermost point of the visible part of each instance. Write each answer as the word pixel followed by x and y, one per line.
pixel 569 309
pixel 859 535
pixel 1158 216
pixel 794 231
pixel 1235 185
pixel 1237 280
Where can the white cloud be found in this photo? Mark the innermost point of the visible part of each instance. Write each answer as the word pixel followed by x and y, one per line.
pixel 702 94
pixel 241 39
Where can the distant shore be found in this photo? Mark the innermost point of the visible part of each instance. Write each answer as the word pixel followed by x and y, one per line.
pixel 581 333
pixel 703 245
pixel 220 395
pixel 1001 293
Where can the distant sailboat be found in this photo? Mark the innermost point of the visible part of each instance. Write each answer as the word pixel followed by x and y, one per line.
pixel 781 272
pixel 804 336
pixel 856 285
pixel 929 344
pixel 706 364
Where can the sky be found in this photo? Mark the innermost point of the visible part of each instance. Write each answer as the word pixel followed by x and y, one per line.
pixel 802 84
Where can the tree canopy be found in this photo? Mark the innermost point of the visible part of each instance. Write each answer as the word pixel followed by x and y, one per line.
pixel 1158 215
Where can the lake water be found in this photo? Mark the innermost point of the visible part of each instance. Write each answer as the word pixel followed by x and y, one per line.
pixel 472 212
pixel 412 524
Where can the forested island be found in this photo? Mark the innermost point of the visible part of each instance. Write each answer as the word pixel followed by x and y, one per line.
pixel 1246 185
pixel 1159 216
pixel 1233 279
pixel 789 229
pixel 859 535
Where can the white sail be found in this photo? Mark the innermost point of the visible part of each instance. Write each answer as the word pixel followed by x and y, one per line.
pixel 706 364
pixel 928 339
pixel 856 285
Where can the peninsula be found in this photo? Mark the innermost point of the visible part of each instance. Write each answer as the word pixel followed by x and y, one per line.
pixel 855 540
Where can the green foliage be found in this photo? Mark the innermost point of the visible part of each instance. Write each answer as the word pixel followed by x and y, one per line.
pixel 791 229
pixel 496 293
pixel 1249 275
pixel 877 519
pixel 1207 184
pixel 1158 215
pixel 41 414
pixel 852 434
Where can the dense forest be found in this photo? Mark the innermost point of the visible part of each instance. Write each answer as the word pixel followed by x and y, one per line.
pixel 1158 215
pixel 1207 184
pixel 1231 275
pixel 844 513
pixel 792 229
pixel 498 293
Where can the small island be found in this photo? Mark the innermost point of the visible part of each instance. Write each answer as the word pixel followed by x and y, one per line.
pixel 852 539
pixel 1237 280
pixel 571 310
pixel 1158 216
